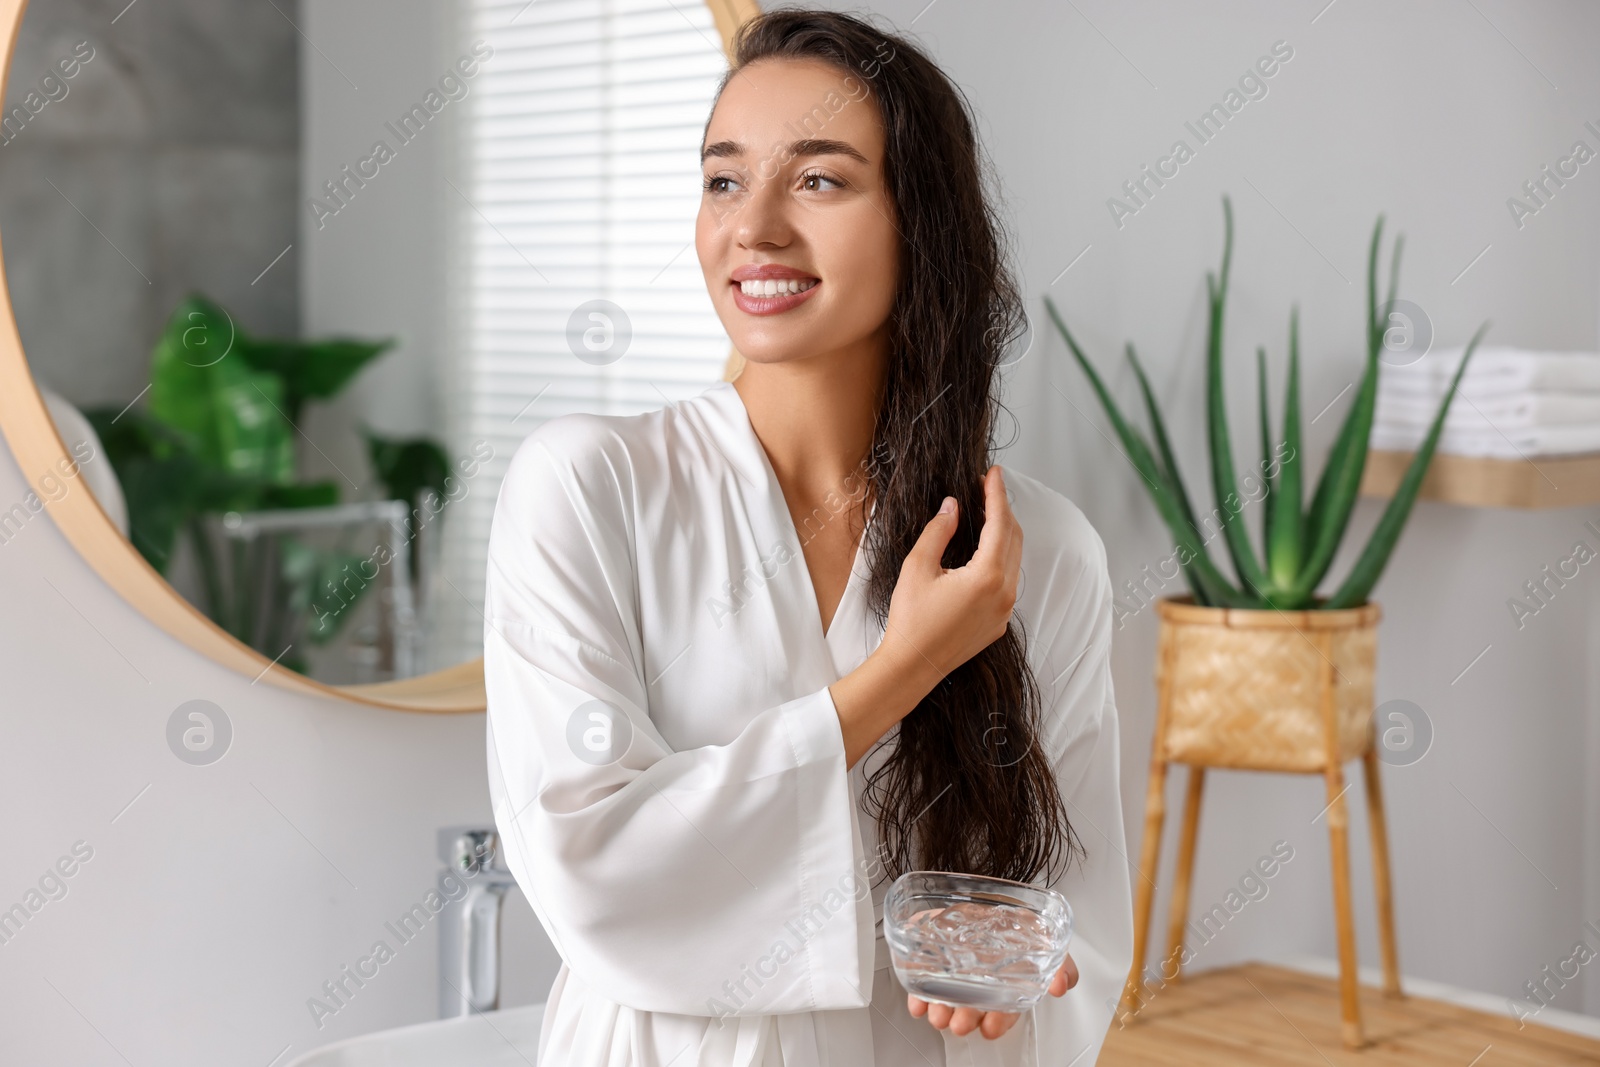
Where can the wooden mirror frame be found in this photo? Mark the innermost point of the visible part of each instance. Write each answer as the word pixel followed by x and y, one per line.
pixel 40 453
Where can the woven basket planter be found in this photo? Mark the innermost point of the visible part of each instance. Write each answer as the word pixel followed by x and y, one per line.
pixel 1249 689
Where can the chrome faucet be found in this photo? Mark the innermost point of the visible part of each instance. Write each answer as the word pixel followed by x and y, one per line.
pixel 469 925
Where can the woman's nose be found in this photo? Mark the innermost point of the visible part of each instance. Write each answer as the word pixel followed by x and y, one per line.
pixel 762 219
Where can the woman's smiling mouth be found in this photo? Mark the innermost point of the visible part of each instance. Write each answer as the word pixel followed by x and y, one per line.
pixel 770 289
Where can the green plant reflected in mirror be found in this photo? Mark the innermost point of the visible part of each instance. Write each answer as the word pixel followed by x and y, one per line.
pixel 217 440
pixel 254 265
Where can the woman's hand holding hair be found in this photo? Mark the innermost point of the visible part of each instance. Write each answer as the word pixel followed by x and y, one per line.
pixel 939 618
pixel 947 616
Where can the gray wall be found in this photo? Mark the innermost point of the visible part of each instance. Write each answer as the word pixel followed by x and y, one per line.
pixel 174 160
pixel 1433 114
pixel 381 266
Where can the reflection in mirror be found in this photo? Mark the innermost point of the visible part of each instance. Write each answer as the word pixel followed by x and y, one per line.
pixel 295 279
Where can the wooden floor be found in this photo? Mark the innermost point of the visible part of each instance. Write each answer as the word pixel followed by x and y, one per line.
pixel 1258 1014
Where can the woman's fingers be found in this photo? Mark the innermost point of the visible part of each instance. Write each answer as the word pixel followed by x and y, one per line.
pixel 928 552
pixel 994 540
pixel 1065 978
pixel 962 1021
pixel 948 616
pixel 991 1024
pixel 1000 540
pixel 965 1020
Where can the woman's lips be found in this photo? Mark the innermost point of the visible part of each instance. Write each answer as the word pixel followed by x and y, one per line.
pixel 769 305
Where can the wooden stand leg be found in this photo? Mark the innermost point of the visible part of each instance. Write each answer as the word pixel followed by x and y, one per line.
pixel 1180 885
pixel 1378 830
pixel 1155 809
pixel 1338 834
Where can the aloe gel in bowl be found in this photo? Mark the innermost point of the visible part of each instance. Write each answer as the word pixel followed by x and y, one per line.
pixel 975 942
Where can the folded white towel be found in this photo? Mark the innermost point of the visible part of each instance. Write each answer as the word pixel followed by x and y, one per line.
pixel 1515 410
pixel 1494 371
pixel 1515 443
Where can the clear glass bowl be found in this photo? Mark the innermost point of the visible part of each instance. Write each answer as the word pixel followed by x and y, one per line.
pixel 975 942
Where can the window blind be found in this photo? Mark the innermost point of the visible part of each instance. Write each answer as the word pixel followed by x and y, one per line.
pixel 577 179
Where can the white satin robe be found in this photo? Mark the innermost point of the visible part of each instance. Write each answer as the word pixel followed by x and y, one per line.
pixel 702 887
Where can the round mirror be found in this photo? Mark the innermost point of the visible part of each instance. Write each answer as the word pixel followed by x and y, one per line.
pixel 288 282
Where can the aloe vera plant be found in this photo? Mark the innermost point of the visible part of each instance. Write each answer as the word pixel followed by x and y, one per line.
pixel 1298 539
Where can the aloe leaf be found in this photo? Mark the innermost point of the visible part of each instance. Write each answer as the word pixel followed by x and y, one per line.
pixel 1335 498
pixel 1325 528
pixel 1319 499
pixel 1394 283
pixel 1169 462
pixel 1212 586
pixel 1163 443
pixel 1266 452
pixel 1227 248
pixel 1357 586
pixel 1375 327
pixel 1287 543
pixel 1224 487
pixel 1208 584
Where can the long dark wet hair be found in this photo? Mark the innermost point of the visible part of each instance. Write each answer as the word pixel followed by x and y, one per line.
pixel 968 787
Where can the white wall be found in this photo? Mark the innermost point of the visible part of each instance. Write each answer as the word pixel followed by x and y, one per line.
pixel 215 905
pixel 220 901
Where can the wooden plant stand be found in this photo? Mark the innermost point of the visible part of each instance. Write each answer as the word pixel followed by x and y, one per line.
pixel 1287 691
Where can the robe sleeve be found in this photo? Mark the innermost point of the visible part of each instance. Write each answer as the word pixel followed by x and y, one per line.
pixel 712 881
pixel 1082 715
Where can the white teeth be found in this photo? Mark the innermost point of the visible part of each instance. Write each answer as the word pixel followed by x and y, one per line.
pixel 776 286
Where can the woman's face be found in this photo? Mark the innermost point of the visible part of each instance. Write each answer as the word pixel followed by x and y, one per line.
pixel 795 234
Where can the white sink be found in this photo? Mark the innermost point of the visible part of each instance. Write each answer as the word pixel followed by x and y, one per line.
pixel 494 1039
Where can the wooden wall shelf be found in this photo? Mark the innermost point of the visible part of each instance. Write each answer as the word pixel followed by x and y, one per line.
pixel 1484 482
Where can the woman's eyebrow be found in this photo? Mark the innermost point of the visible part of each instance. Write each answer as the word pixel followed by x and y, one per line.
pixel 810 146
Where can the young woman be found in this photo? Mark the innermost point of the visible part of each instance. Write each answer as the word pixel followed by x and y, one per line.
pixel 751 656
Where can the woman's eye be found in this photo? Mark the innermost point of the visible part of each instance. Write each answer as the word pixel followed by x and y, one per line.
pixel 817 183
pixel 719 183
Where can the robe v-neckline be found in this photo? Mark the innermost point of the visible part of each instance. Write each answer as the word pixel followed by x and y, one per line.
pixel 775 492
pixel 845 595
